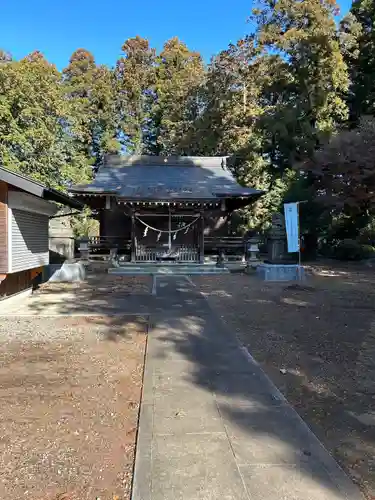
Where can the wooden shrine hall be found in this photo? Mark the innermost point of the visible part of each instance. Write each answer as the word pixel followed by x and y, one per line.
pixel 164 208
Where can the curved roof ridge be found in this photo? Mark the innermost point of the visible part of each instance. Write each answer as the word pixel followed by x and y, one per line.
pixel 149 160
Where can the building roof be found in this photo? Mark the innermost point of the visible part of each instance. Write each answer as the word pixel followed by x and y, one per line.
pixel 35 188
pixel 165 178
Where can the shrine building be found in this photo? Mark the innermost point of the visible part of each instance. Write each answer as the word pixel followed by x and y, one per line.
pixel 164 208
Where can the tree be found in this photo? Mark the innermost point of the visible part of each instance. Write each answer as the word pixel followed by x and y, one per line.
pixel 135 77
pixel 269 101
pixel 359 28
pixel 31 130
pixel 179 73
pixel 228 100
pixel 35 138
pixel 309 73
pixel 106 117
pixel 344 171
pixel 4 57
pixel 91 97
pixel 233 102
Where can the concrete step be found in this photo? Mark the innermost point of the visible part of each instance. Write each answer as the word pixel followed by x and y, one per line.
pixel 171 269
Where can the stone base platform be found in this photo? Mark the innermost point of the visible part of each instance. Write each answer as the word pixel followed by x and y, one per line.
pixel 281 272
pixel 134 269
pixel 66 272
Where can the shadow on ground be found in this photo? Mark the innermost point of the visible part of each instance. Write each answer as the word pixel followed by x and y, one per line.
pixel 70 402
pixel 264 430
pixel 300 331
pixel 317 344
pixel 99 294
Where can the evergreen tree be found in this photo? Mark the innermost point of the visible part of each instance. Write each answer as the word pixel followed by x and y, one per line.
pixel 178 76
pixel 311 76
pixel 32 113
pixel 359 29
pixel 229 101
pixel 268 101
pixel 233 103
pixel 135 77
pixel 91 98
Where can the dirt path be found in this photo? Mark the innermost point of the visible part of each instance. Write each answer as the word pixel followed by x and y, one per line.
pixel 70 391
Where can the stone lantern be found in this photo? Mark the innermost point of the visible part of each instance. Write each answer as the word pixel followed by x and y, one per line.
pixel 252 253
pixel 84 248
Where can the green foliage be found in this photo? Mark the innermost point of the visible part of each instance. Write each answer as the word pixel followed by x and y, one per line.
pixel 305 99
pixel 178 76
pixel 135 77
pixel 271 98
pixel 91 107
pixel 157 96
pixel 32 114
pixel 84 224
pixel 229 105
pixel 359 27
pixel 353 250
pixel 366 234
pixel 343 171
pixel 276 102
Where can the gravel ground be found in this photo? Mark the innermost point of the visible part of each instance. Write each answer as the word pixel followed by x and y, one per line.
pixel 70 391
pixel 101 284
pixel 317 343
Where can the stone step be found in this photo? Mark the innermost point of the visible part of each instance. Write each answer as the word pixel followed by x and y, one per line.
pixel 171 269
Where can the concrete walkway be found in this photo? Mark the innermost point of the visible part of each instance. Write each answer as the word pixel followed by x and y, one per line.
pixel 212 426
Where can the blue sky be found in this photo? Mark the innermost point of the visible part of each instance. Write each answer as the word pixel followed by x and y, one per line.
pixel 57 28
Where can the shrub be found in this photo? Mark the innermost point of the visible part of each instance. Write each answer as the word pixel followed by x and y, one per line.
pixel 368 251
pixel 352 250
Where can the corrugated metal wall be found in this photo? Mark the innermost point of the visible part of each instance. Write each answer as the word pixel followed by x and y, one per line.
pixel 29 240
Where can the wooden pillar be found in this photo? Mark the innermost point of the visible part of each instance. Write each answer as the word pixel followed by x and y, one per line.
pixel 132 245
pixel 201 238
pixel 169 229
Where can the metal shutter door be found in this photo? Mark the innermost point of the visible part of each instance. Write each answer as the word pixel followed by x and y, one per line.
pixel 29 240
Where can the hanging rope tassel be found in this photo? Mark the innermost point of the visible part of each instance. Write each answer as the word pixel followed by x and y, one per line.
pixel 145 232
pixel 159 236
pixel 174 236
pixel 175 231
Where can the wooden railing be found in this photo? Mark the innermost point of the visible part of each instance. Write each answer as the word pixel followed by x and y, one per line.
pixel 227 244
pixel 103 244
pixel 179 253
pixel 230 245
pixel 108 241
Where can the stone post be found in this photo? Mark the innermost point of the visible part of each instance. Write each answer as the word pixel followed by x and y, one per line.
pixel 277 244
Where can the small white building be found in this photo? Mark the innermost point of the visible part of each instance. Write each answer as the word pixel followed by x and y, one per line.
pixel 25 210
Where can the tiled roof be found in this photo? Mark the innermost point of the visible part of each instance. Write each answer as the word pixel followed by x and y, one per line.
pixel 164 178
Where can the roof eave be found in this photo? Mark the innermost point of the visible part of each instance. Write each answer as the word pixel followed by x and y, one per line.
pixel 56 196
pixel 90 192
pixel 36 189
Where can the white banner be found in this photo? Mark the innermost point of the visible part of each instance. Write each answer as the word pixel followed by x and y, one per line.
pixel 292 226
